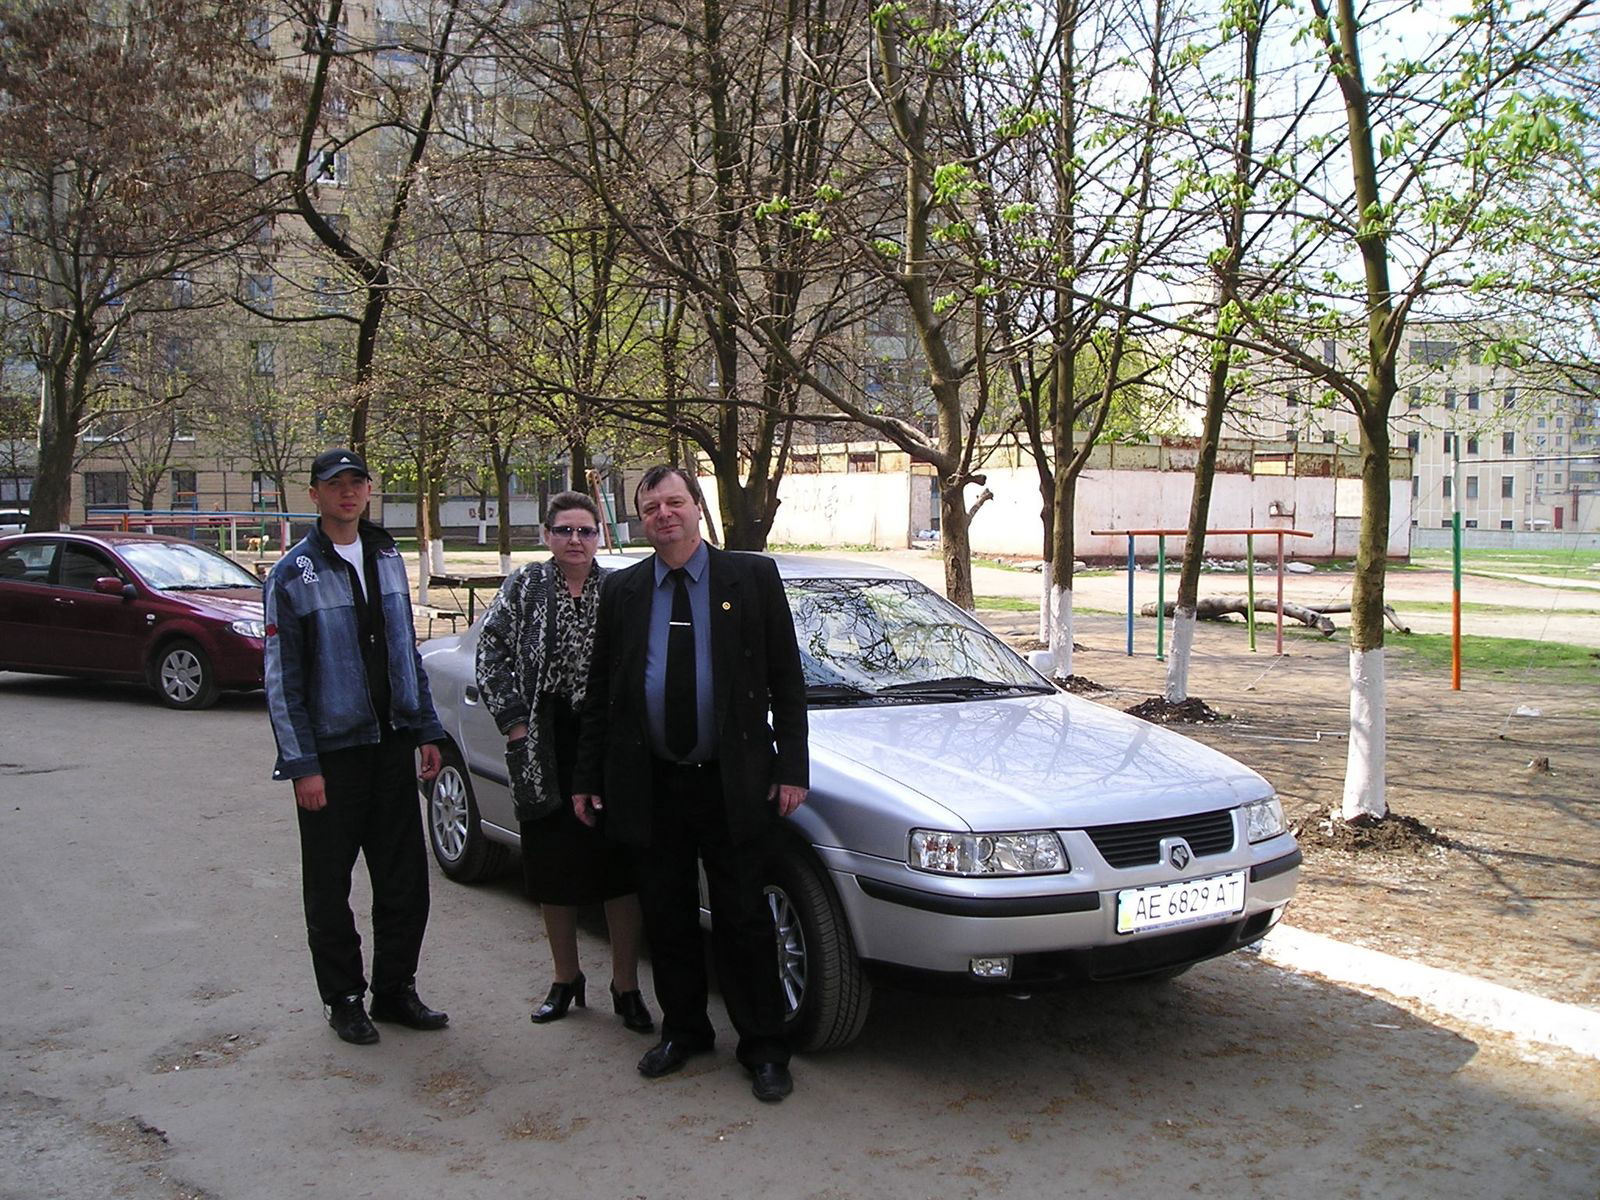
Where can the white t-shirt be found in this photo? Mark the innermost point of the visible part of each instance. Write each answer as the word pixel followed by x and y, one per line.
pixel 352 555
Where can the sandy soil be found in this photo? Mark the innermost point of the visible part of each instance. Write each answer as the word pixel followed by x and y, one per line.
pixel 1504 881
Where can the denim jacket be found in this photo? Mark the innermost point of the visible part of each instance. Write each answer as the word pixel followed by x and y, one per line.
pixel 316 681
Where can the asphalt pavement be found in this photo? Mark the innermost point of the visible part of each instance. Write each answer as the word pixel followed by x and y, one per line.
pixel 162 1038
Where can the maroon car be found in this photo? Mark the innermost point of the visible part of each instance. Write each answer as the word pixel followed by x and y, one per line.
pixel 173 613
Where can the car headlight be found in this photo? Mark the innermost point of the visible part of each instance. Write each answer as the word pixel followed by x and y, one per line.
pixel 1034 852
pixel 246 627
pixel 1263 819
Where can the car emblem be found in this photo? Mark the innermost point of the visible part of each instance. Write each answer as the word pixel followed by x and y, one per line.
pixel 1179 856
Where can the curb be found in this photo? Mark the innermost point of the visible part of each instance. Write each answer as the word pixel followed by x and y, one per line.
pixel 1524 1016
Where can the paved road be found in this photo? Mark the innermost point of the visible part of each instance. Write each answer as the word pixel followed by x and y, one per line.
pixel 161 1039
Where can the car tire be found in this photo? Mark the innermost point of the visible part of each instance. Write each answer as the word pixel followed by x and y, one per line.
pixel 182 676
pixel 454 831
pixel 825 991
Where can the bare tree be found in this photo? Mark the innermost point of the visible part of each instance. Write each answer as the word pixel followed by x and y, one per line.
pixel 124 167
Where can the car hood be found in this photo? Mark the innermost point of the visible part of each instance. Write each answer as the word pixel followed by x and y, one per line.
pixel 231 604
pixel 1048 761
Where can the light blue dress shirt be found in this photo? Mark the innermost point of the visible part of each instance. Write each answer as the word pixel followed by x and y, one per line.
pixel 655 659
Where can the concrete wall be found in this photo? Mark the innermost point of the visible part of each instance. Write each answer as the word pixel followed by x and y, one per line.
pixel 872 509
pixel 1505 539
pixel 866 508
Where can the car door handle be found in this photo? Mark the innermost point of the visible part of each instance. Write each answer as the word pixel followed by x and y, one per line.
pixel 470 694
pixel 63 600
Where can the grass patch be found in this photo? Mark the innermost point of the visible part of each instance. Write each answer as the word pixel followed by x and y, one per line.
pixel 1559 563
pixel 1006 603
pixel 819 548
pixel 1560 661
pixel 1497 610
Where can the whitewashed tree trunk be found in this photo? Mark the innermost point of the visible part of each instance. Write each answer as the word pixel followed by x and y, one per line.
pixel 1363 779
pixel 1061 630
pixel 505 564
pixel 1178 660
pixel 1044 606
pixel 422 573
pixel 436 555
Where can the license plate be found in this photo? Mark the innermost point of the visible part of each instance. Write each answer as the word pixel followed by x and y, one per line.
pixel 1139 909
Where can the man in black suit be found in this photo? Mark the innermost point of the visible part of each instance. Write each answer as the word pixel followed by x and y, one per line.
pixel 694 647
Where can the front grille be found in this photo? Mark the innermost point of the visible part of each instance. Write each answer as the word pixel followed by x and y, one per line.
pixel 1139 842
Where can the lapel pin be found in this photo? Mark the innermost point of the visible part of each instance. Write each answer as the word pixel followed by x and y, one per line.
pixel 726 606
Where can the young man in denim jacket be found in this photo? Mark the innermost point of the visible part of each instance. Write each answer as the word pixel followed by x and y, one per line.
pixel 350 707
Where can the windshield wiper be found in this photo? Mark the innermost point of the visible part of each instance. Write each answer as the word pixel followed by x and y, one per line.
pixel 959 685
pixel 837 691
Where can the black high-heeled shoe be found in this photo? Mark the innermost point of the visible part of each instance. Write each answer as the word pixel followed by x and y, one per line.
pixel 630 1007
pixel 560 999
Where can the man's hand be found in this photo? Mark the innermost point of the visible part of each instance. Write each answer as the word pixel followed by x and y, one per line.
pixel 788 797
pixel 431 761
pixel 516 733
pixel 587 807
pixel 310 792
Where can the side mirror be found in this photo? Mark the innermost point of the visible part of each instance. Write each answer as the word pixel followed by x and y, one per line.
pixel 110 585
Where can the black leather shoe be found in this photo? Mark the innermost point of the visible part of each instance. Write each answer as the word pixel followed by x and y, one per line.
pixel 630 1007
pixel 350 1021
pixel 771 1082
pixel 560 999
pixel 667 1056
pixel 404 1008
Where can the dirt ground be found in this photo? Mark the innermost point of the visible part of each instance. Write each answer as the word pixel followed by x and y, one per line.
pixel 1496 871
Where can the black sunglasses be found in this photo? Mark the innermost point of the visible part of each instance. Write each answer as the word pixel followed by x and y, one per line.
pixel 566 531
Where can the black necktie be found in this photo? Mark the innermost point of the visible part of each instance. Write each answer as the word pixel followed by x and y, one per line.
pixel 682 702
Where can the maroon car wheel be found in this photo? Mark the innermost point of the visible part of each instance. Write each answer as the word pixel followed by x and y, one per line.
pixel 183 676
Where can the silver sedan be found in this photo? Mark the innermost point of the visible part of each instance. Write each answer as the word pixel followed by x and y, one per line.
pixel 968 824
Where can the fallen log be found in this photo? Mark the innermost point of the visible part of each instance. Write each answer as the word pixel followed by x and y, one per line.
pixel 1214 608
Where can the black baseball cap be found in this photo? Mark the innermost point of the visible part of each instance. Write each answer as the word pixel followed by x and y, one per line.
pixel 330 462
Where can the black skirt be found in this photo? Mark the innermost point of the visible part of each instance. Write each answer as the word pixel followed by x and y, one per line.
pixel 565 861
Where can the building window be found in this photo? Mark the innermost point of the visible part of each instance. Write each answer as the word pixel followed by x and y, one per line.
pixel 1470 524
pixel 264 358
pixel 1413 441
pixel 258 292
pixel 263 492
pixel 1508 443
pixel 1449 443
pixel 182 289
pixel 1415 400
pixel 1330 353
pixel 1507 486
pixel 1472 487
pixel 1472 445
pixel 1450 398
pixel 330 168
pixel 1561 422
pixel 1432 353
pixel 1447 523
pixel 327 295
pixel 184 493
pixel 1541 422
pixel 1507 525
pixel 1509 400
pixel 1555 480
pixel 1294 398
pixel 1448 485
pixel 862 460
pixel 1327 436
pixel 1416 486
pixel 1472 399
pixel 105 489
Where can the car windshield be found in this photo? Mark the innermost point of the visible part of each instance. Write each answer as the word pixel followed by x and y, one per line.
pixel 879 638
pixel 176 567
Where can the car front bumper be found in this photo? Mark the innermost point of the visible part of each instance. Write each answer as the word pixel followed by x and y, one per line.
pixel 911 923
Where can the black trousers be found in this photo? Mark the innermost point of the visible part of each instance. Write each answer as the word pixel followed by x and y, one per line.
pixel 372 810
pixel 689 824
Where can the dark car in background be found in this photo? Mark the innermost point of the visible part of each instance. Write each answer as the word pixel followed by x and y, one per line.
pixel 162 610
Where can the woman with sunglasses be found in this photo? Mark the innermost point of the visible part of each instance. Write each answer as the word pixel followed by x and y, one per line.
pixel 532 667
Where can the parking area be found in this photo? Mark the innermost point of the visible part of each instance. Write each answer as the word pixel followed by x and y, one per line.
pixel 162 1038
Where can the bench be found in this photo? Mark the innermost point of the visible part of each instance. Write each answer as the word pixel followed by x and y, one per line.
pixel 424 617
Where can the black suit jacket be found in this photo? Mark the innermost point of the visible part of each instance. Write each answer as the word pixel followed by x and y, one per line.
pixel 759 696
